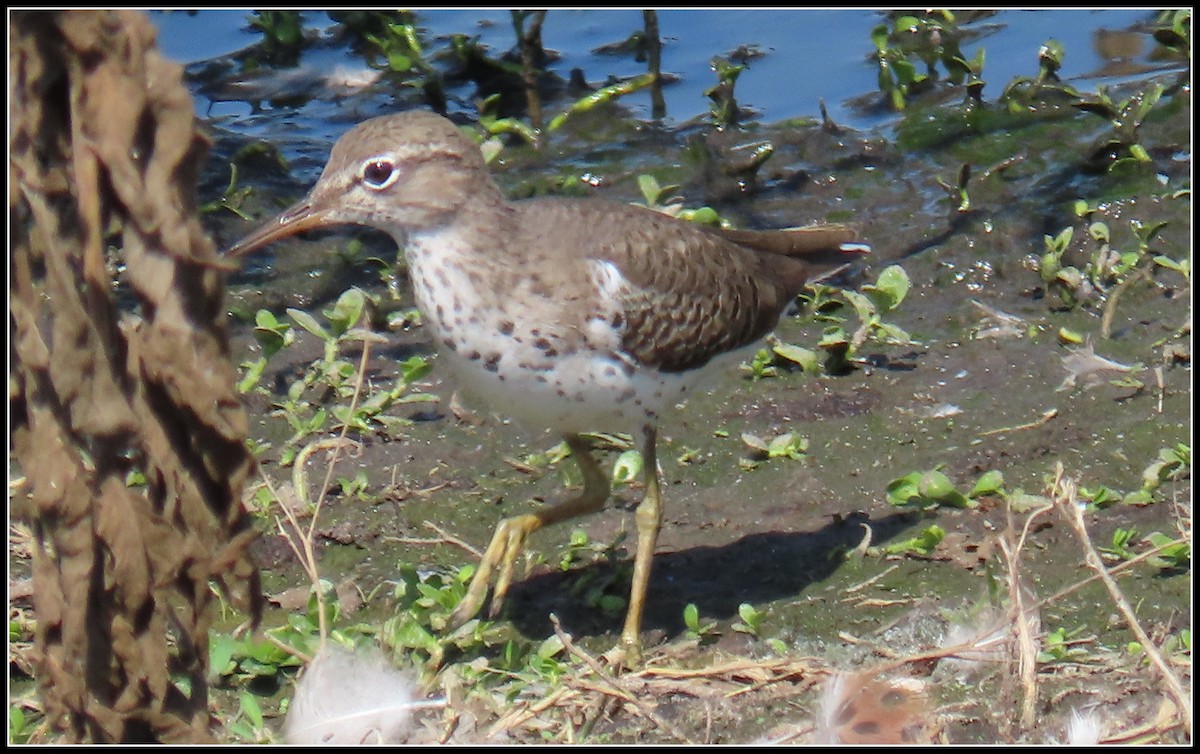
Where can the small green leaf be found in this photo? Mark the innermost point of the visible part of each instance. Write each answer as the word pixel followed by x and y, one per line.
pixel 691 616
pixel 901 491
pixel 755 442
pixel 922 544
pixel 251 709
pixel 1069 336
pixel 650 188
pixel 628 467
pixel 890 289
pixel 806 358
pixel 991 483
pixel 220 654
pixel 309 323
pixel 879 35
pixel 701 216
pixel 346 311
pixel 788 445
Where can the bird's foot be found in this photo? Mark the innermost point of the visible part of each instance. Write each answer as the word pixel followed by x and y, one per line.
pixel 502 553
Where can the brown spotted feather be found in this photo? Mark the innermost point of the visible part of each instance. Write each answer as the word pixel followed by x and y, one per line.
pixel 691 292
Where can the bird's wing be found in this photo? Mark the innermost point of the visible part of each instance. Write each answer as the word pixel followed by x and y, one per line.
pixel 687 293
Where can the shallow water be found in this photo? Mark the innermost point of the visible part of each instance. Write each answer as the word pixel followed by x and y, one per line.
pixel 806 56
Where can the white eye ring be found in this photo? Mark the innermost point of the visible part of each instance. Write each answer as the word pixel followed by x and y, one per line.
pixel 378 173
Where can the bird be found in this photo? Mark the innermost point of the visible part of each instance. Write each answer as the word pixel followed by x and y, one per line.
pixel 573 314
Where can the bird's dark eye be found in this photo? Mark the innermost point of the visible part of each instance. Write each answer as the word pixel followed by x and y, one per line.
pixel 379 173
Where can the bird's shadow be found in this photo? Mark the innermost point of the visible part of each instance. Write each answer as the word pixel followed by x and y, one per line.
pixel 758 568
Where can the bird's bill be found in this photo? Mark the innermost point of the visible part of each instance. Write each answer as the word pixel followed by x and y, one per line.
pixel 299 218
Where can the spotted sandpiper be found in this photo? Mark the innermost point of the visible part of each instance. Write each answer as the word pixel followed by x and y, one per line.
pixel 573 314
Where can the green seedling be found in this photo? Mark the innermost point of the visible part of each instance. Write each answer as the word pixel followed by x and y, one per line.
pixel 694 630
pixel 272 336
pixel 1173 29
pixel 19 728
pixel 417 631
pixel 1121 549
pixel 807 359
pixel 724 109
pixel 923 544
pixel 597 587
pixel 1171 464
pixel 1059 646
pixel 332 375
pixel 1100 497
pixel 354 487
pixel 931 489
pixel 662 199
pixel 890 289
pixel 1023 92
pixel 787 445
pixel 957 194
pixel 1056 276
pixel 1126 117
pixel 628 467
pixel 1177 645
pixel 248 724
pixel 232 198
pixel 1174 556
pixel 283 33
pixel 928 39
pixel 751 620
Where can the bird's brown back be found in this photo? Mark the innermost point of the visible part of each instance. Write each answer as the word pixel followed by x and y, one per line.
pixel 691 292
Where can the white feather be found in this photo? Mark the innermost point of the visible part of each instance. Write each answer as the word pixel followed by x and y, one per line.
pixel 1084 729
pixel 347 698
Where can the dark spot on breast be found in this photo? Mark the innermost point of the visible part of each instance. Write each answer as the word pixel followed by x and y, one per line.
pixel 617 319
pixel 610 371
pixel 450 343
pixel 492 362
pixel 507 327
pixel 474 356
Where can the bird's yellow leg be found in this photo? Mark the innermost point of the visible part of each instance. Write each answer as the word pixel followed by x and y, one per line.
pixel 649 520
pixel 511 533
